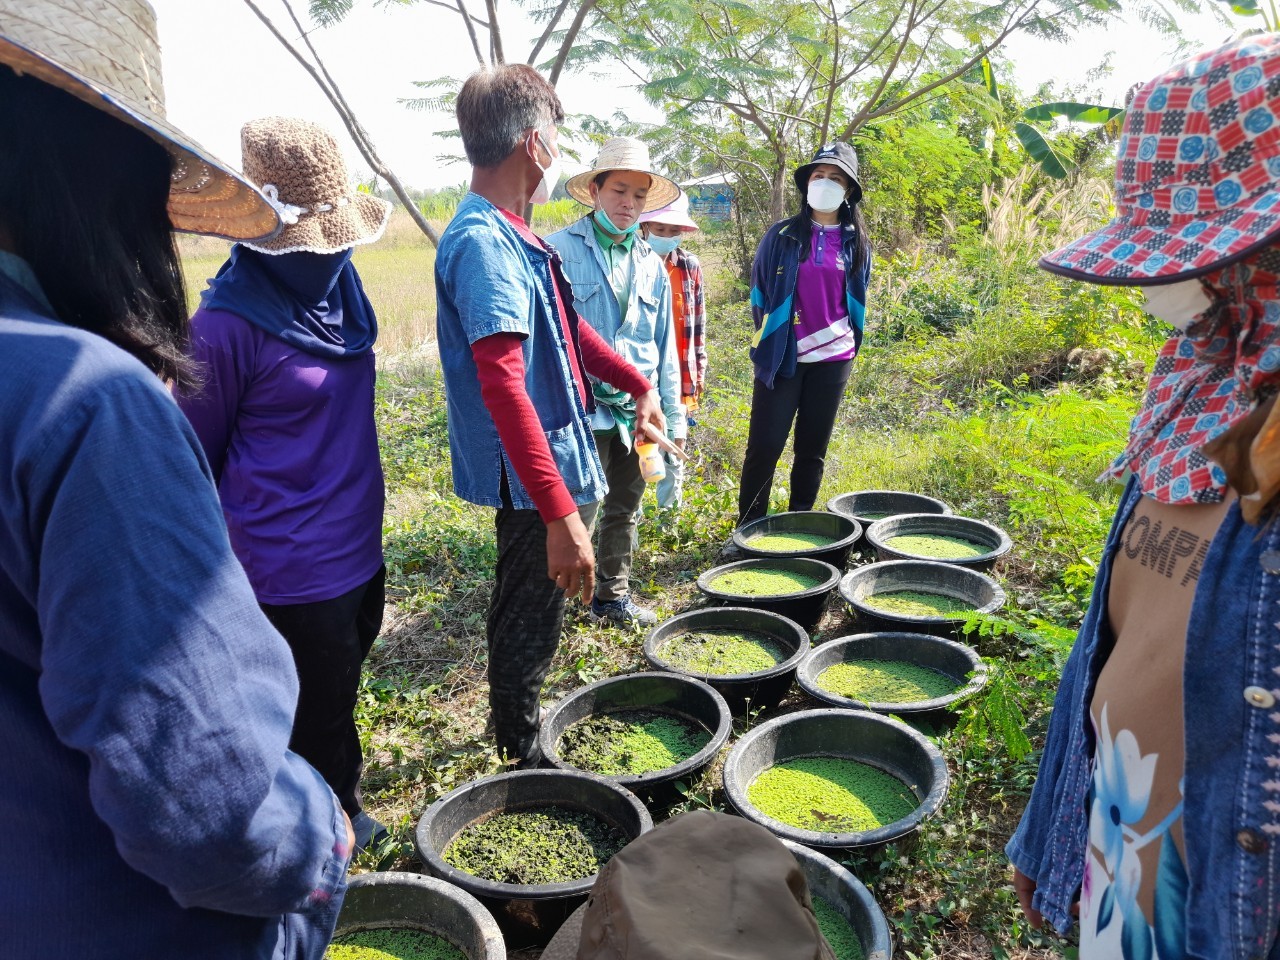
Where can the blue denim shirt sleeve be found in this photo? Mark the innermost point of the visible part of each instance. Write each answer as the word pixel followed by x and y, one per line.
pixel 475 266
pixel 158 665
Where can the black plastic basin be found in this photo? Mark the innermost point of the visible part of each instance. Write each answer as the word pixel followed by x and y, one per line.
pixel 759 690
pixel 528 914
pixel 978 532
pixel 928 576
pixel 410 901
pixel 890 745
pixel 868 506
pixel 805 607
pixel 840 888
pixel 845 532
pixel 673 693
pixel 948 657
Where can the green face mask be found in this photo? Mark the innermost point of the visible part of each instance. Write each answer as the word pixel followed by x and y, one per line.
pixel 605 224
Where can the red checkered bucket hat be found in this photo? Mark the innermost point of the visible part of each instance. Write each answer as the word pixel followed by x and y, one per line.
pixel 1197 172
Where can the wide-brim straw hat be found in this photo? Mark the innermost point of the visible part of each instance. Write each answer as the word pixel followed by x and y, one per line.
pixel 674 214
pixel 299 168
pixel 624 153
pixel 1197 172
pixel 106 53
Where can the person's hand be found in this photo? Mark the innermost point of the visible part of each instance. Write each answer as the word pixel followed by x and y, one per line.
pixel 649 410
pixel 351 833
pixel 571 562
pixel 1024 887
pixel 679 442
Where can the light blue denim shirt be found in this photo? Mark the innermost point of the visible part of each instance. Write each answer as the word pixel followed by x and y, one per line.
pixel 647 337
pixel 1231 691
pixel 491 280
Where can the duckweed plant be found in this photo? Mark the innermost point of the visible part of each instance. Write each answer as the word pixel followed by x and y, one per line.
pixel 886 681
pixel 831 795
pixel 755 582
pixel 837 931
pixel 722 652
pixel 395 945
pixel 631 742
pixel 535 846
pixel 937 547
pixel 917 603
pixel 788 542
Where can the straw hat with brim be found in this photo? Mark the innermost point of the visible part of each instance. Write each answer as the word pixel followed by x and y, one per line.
pixel 106 53
pixel 1197 172
pixel 300 170
pixel 675 214
pixel 704 884
pixel 624 153
pixel 838 154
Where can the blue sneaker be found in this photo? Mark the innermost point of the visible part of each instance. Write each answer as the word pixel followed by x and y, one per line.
pixel 623 611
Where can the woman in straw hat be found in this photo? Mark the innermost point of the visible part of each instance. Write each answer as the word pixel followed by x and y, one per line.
pixel 808 298
pixel 285 337
pixel 1157 805
pixel 152 804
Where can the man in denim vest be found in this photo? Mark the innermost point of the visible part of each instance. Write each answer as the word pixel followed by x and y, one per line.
pixel 514 354
pixel 624 294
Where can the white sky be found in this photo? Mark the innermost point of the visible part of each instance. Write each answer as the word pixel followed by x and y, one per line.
pixel 225 68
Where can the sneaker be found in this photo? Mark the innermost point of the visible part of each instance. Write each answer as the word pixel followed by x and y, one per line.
pixel 369 832
pixel 624 610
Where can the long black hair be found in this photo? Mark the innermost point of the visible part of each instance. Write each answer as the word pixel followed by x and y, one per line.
pixel 83 200
pixel 849 214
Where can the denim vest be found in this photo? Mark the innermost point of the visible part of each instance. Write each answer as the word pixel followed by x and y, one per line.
pixel 647 339
pixel 1231 790
pixel 491 280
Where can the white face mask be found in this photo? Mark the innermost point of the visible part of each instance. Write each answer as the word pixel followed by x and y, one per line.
pixel 663 245
pixel 824 195
pixel 550 175
pixel 1177 304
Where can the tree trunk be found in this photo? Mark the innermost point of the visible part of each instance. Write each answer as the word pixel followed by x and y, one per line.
pixel 778 192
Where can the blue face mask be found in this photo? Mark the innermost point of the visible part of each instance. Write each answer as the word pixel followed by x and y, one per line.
pixel 605 224
pixel 663 245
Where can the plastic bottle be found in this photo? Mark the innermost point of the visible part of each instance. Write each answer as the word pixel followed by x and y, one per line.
pixel 652 467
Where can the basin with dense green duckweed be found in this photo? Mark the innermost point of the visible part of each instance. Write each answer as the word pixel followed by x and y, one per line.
pixel 962 541
pixel 749 656
pixel 815 534
pixel 529 913
pixel 631 742
pixel 918 596
pixel 878 671
pixel 835 778
pixel 541 845
pixel 392 945
pixel 408 911
pixel 839 896
pixel 831 794
pixel 868 506
pixel 645 731
pixel 795 587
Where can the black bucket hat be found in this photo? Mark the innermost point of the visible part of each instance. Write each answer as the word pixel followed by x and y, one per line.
pixel 838 154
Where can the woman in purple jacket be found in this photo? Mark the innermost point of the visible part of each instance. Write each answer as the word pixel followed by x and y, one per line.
pixel 285 334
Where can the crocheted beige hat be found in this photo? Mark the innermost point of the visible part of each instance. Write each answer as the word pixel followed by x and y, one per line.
pixel 105 52
pixel 624 153
pixel 300 170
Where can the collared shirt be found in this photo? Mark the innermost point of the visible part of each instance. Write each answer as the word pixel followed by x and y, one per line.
pixel 617 254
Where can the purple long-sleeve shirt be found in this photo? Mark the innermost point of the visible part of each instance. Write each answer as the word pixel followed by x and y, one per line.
pixel 292 443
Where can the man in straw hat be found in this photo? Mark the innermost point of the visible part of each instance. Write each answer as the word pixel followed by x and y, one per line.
pixel 1155 807
pixel 703 884
pixel 514 354
pixel 624 294
pixel 154 808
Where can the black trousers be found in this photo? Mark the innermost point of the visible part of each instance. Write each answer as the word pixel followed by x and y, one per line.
pixel 811 399
pixel 330 640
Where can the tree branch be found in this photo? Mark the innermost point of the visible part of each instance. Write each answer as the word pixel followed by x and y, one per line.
pixel 546 34
pixel 495 32
pixel 570 36
pixel 471 30
pixel 453 9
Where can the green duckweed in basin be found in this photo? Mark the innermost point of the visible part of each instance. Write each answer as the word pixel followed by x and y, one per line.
pixel 393 945
pixel 837 931
pixel 631 742
pixel 722 652
pixel 875 516
pixel 917 603
pixel 831 795
pixel 788 542
pixel 886 681
pixel 535 846
pixel 937 546
pixel 755 582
